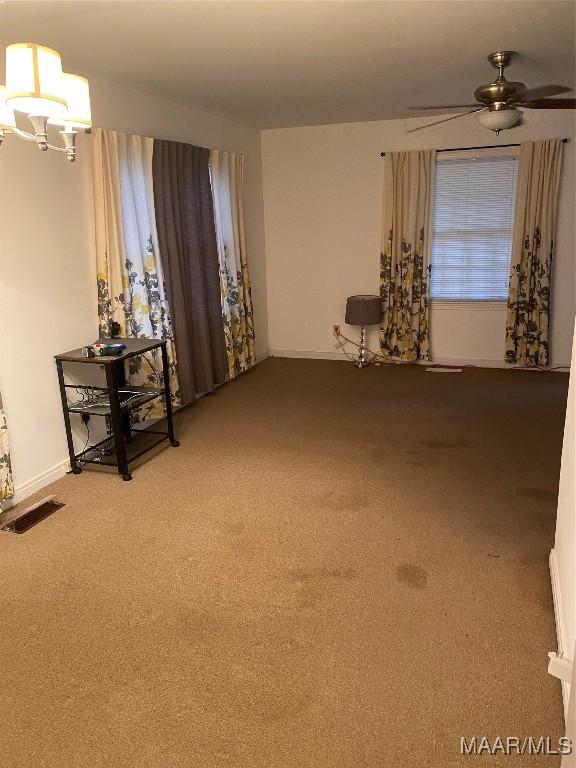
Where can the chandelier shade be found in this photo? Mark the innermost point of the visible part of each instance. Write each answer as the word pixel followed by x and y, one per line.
pixel 37 86
pixel 34 81
pixel 7 117
pixel 77 94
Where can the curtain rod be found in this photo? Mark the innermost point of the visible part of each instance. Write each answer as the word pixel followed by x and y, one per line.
pixel 466 149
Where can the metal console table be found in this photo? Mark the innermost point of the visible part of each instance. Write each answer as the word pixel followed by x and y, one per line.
pixel 116 400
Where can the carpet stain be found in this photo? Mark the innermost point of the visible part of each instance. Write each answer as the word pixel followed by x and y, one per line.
pixel 443 444
pixel 339 502
pixel 313 585
pixel 236 529
pixel 412 575
pixel 319 574
pixel 270 707
pixel 538 494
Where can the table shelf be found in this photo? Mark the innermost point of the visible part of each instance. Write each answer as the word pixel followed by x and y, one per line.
pixel 115 401
pixel 104 452
pixel 129 398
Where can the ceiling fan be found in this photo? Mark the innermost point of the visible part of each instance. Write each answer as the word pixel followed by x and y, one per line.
pixel 497 102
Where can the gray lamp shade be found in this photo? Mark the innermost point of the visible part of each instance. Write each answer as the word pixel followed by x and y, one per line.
pixel 363 310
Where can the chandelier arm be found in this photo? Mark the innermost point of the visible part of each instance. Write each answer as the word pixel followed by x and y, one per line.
pixel 69 139
pixel 31 137
pixel 23 134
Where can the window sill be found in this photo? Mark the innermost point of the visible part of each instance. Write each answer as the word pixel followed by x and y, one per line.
pixel 473 305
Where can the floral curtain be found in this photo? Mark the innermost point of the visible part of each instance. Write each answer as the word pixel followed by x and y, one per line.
pixel 528 313
pixel 6 483
pixel 227 176
pixel 405 259
pixel 129 274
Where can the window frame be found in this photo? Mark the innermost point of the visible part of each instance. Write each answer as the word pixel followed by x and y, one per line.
pixel 467 154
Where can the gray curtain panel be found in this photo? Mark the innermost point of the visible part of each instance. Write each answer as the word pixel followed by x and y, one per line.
pixel 187 240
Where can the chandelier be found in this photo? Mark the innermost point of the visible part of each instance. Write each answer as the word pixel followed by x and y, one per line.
pixel 37 87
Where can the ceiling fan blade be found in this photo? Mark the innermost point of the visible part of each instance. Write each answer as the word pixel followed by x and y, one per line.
pixel 533 94
pixel 446 120
pixel 549 104
pixel 448 106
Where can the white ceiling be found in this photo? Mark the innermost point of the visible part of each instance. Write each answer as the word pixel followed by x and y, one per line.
pixel 274 64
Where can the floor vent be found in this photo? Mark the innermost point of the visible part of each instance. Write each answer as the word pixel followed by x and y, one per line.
pixel 20 522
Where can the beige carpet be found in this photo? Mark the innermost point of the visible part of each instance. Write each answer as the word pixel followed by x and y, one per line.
pixel 337 569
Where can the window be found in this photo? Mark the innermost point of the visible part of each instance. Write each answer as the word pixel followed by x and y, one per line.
pixel 472 227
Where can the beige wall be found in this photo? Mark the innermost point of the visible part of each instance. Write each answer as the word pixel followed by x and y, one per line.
pixel 323 200
pixel 47 273
pixel 563 556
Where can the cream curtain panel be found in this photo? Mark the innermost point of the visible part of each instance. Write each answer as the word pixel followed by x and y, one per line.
pixel 130 280
pixel 6 482
pixel 528 315
pixel 227 176
pixel 405 256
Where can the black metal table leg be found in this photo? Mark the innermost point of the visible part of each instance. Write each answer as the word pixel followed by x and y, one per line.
pixel 119 378
pixel 69 439
pixel 168 399
pixel 117 426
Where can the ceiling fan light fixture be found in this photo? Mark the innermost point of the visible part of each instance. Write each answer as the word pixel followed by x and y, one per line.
pixel 496 102
pixel 499 120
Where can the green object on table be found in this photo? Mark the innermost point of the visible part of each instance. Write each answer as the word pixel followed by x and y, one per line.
pixel 112 349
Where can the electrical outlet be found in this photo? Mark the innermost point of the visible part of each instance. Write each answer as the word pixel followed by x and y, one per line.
pixel 336 329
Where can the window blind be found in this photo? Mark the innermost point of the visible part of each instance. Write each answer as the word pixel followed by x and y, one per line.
pixel 472 228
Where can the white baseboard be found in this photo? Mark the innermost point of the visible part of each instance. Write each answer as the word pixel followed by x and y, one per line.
pixel 306 354
pixel 262 355
pixel 560 622
pixel 479 362
pixel 492 363
pixel 34 484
